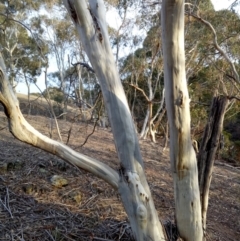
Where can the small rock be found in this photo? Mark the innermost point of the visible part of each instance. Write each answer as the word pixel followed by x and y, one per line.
pixel 59 181
pixel 18 164
pixel 43 170
pixel 29 188
pixel 3 167
pixel 95 185
pixel 76 196
pixel 14 165
pixel 100 190
pixel 62 166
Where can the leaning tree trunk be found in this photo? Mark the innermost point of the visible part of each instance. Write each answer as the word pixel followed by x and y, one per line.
pixel 182 155
pixel 91 26
pixel 23 131
pixel 144 126
pixel 208 149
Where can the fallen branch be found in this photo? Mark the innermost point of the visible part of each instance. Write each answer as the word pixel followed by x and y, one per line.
pixel 5 203
pixel 226 165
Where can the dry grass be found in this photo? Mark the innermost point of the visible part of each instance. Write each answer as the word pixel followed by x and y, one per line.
pixel 88 208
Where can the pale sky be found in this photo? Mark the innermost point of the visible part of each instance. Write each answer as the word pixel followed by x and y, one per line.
pixel 21 87
pixel 221 4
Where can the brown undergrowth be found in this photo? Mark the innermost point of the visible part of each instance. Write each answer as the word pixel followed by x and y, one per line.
pixel 87 208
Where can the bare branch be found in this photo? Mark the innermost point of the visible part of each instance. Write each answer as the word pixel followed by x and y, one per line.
pixel 216 45
pixel 85 65
pixel 142 91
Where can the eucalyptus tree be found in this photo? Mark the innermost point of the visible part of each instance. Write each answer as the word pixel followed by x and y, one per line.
pixel 212 56
pixel 220 61
pixel 59 33
pixel 143 71
pixel 131 183
pixel 10 35
pixel 20 43
pixel 79 82
pixel 130 180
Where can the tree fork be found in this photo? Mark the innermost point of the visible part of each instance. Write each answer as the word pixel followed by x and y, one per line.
pixel 89 19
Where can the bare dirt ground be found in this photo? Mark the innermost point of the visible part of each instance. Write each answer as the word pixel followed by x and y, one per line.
pixel 87 208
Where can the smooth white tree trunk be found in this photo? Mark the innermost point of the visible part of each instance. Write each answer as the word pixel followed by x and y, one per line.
pixel 142 133
pixel 182 155
pixel 89 19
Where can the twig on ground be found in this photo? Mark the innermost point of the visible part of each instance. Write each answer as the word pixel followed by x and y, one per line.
pixel 227 165
pixel 6 203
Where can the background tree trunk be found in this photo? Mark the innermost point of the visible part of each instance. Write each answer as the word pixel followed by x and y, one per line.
pixel 208 149
pixel 182 154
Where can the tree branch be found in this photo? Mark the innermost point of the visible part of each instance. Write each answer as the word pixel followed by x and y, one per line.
pixel 85 65
pixel 142 91
pixel 216 45
pixel 23 131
